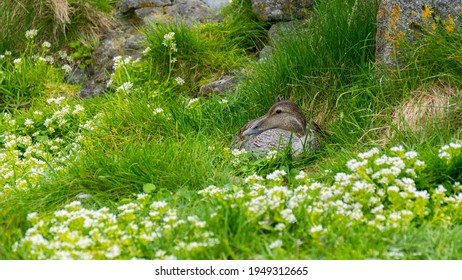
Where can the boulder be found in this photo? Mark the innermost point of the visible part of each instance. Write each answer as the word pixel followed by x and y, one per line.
pixel 276 31
pixel 277 10
pixel 126 40
pixel 189 11
pixel 122 40
pixel 225 84
pixel 126 6
pixel 405 19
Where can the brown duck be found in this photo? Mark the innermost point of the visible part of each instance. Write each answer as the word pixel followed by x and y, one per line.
pixel 283 124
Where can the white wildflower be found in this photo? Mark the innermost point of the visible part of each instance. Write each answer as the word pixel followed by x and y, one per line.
pixel 179 81
pixel 275 244
pixel 440 189
pixel 280 227
pixel 193 102
pixel 277 175
pixel 422 194
pixel 410 155
pixel 252 178
pixel 169 36
pixel 315 229
pixel 288 216
pixel 78 109
pixel 369 153
pixel 67 68
pixel 398 148
pixel 17 62
pixel 113 252
pixel 46 45
pixel 30 34
pixel 28 123
pixel 125 87
pixel 354 165
pixel 271 155
pixel 157 111
pixel 146 50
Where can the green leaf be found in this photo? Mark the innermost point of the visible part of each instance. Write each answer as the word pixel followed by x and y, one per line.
pixel 148 187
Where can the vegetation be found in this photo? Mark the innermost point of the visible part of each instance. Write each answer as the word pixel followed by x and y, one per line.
pixel 144 170
pixel 58 20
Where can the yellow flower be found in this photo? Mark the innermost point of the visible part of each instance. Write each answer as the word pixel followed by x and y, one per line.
pixel 427 13
pixel 450 28
pixel 449 24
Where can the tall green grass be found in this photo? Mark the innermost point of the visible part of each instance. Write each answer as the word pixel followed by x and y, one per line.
pixel 58 20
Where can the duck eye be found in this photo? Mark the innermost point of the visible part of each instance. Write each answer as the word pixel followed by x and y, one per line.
pixel 278 111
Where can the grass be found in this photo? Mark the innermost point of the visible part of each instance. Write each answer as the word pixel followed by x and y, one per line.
pixel 144 170
pixel 58 20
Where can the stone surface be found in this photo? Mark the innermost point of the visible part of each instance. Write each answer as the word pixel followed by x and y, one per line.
pixel 125 39
pixel 216 4
pixel 276 31
pixel 128 5
pixel 405 19
pixel 275 10
pixel 189 11
pixel 227 83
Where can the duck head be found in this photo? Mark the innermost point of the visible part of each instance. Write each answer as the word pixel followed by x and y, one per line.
pixel 283 115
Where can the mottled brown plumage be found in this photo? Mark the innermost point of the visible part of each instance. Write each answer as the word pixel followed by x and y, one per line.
pixel 283 124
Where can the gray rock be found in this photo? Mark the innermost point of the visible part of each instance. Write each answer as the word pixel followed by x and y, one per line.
pixel 265 53
pixel 225 84
pixel 275 10
pixel 276 31
pixel 76 77
pixel 123 40
pixel 127 5
pixel 405 19
pixel 92 88
pixel 216 4
pixel 189 11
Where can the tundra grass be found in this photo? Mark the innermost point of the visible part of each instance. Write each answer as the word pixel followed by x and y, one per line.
pixel 57 19
pixel 144 171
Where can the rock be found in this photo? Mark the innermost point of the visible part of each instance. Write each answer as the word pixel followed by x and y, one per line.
pixel 126 6
pixel 123 40
pixel 76 77
pixel 216 4
pixel 405 19
pixel 92 88
pixel 227 83
pixel 190 11
pixel 265 53
pixel 276 31
pixel 276 10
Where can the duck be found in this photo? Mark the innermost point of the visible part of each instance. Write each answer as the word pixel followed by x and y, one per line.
pixel 284 123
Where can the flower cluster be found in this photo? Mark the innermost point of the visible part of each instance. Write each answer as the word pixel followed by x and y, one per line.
pixel 141 228
pixel 40 67
pixel 169 42
pixel 192 103
pixel 380 193
pixel 121 79
pixel 31 34
pixel 450 151
pixel 120 61
pixel 43 141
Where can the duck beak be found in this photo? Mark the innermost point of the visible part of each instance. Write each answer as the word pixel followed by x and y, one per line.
pixel 254 129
